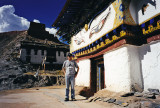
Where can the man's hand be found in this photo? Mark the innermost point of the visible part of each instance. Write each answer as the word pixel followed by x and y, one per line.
pixel 77 72
pixel 64 70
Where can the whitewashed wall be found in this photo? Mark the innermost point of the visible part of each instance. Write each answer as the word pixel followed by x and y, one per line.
pixel 122 69
pixel 134 66
pixel 136 10
pixel 23 54
pixel 83 77
pixel 151 10
pixel 117 76
pixel 130 65
pixel 60 59
pixel 127 66
pixel 37 59
pixel 150 65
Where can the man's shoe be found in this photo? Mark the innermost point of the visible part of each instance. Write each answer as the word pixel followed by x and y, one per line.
pixel 66 99
pixel 73 99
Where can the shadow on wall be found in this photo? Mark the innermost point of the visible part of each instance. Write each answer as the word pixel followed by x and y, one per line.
pixel 143 50
pixel 143 5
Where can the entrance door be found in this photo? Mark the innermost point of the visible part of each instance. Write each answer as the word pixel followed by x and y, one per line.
pixel 100 77
pixel 97 74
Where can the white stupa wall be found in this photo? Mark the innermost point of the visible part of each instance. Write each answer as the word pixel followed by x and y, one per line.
pixel 150 64
pixel 83 77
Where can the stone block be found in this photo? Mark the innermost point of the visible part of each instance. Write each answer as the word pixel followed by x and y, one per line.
pixel 111 100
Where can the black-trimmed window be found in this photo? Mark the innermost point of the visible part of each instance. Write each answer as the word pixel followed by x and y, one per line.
pixel 59 52
pixel 65 53
pixel 28 51
pixel 35 52
pixel 42 52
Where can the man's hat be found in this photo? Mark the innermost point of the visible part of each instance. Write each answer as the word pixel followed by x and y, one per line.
pixel 69 55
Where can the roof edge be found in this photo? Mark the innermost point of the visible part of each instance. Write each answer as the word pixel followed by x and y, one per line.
pixel 62 12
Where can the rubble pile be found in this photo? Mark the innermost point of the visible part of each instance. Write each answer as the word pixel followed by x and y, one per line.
pixel 29 81
pixel 150 99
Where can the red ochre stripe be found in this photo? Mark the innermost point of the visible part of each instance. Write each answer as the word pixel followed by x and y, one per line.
pixel 153 38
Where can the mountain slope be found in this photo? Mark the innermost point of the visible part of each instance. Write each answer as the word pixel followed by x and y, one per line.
pixel 10 41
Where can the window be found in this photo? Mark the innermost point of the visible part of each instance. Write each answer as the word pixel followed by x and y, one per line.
pixel 59 53
pixel 28 59
pixel 65 54
pixel 28 51
pixel 42 52
pixel 35 52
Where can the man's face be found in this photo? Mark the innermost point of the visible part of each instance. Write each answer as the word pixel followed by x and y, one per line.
pixel 69 57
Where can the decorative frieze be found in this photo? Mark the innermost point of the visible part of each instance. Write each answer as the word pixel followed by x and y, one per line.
pixel 123 31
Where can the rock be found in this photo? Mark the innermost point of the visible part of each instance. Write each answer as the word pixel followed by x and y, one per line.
pixel 120 103
pixel 111 100
pixel 124 104
pixel 1 80
pixel 137 94
pixel 90 99
pixel 149 95
pixel 24 70
pixel 135 105
pixel 155 105
pixel 100 99
pixel 95 99
pixel 155 91
pixel 6 66
pixel 117 102
pixel 127 94
pixel 158 97
pixel 12 76
pixel 137 88
pixel 106 99
pixel 145 104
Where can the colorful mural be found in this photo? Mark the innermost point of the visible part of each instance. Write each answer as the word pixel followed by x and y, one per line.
pixel 122 13
pixel 100 24
pixel 122 16
pixel 78 40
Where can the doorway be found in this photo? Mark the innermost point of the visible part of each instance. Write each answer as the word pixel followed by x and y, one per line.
pixel 97 80
pixel 100 76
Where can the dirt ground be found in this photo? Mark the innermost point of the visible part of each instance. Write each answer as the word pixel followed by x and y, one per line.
pixel 45 97
pixel 53 97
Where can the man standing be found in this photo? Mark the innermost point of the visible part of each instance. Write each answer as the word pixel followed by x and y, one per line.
pixel 68 68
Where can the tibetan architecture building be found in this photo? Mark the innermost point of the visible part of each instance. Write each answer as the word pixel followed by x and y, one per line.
pixel 116 43
pixel 41 48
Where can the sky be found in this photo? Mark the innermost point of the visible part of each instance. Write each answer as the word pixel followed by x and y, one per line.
pixel 15 15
